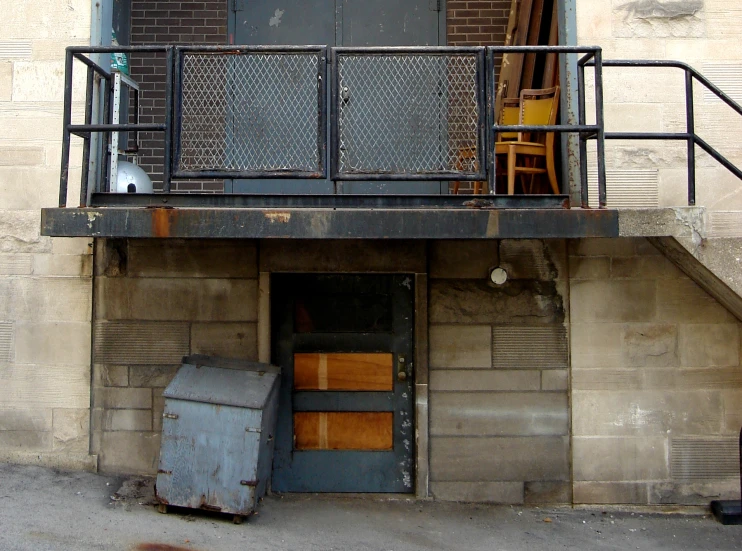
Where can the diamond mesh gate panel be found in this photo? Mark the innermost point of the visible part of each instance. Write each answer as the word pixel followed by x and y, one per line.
pixel 408 114
pixel 249 113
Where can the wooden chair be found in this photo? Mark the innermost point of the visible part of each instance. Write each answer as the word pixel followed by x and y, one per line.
pixel 537 107
pixel 509 115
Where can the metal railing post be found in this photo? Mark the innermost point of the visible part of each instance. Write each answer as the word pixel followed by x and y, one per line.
pixel 86 140
pixel 691 130
pixel 600 121
pixel 66 120
pixel 169 91
pixel 584 199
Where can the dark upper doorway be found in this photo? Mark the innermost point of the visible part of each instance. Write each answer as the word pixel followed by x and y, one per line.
pixel 337 23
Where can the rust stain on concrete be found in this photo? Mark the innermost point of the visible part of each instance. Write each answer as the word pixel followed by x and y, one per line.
pixel 162 221
pixel 278 217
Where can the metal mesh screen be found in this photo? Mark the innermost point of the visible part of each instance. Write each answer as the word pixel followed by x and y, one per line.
pixel 408 114
pixel 249 113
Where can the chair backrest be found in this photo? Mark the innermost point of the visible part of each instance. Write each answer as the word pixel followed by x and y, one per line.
pixel 538 107
pixel 509 116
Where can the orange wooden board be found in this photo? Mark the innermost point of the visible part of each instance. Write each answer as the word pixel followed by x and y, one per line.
pixel 343 371
pixel 343 430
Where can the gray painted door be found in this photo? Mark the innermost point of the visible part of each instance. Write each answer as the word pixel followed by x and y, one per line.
pixel 335 23
pixel 345 418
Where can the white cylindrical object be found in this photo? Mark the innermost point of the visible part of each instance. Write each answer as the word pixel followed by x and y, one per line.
pixel 132 179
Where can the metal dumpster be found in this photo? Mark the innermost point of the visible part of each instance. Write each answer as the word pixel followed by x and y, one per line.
pixel 217 435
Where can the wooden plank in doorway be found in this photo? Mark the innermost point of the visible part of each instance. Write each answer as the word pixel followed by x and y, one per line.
pixel 343 371
pixel 322 430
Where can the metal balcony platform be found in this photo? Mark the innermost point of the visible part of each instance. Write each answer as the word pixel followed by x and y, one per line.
pixel 474 221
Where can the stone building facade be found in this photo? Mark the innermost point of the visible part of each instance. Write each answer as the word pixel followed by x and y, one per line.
pixel 598 373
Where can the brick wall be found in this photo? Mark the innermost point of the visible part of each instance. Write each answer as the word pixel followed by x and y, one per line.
pixel 169 22
pixel 476 23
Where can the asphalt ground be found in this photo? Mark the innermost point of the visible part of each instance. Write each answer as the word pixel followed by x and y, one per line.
pixel 42 509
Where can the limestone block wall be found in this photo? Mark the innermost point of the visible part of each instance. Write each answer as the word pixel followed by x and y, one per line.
pixel 157 301
pixel 499 413
pixel 703 33
pixel 656 380
pixel 45 284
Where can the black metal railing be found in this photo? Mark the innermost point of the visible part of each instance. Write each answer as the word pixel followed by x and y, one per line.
pixel 85 131
pixel 261 112
pixel 690 135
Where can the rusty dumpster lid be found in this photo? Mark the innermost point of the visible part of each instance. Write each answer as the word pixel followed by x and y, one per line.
pixel 242 384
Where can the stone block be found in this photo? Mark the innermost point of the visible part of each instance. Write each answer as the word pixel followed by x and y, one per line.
pixel 732 403
pixel 72 245
pixel 127 452
pixel 50 299
pixel 535 347
pixel 158 408
pixel 593 267
pixel 645 413
pixel 602 247
pixel 128 419
pixel 554 379
pixel 683 301
pixel 25 440
pixel 499 414
pixel 231 340
pixel 707 345
pixel 596 344
pixel 658 19
pixel 611 493
pixel 607 379
pixel 524 302
pixel 14 156
pixel 620 459
pixel 594 21
pixel 386 256
pixel 212 258
pixel 122 398
pixel 644 267
pixel 176 299
pixel 71 430
pixel 613 301
pixel 693 379
pixel 495 459
pixel 110 375
pixel 484 380
pixel 527 259
pixel 15 264
pixel 479 492
pixel 45 386
pixel 25 419
pixel 460 346
pixel 63 265
pixel 52 343
pixel 650 345
pixel 696 493
pixel 41 81
pixel 6 80
pixel 19 231
pixel 150 376
pixel 463 259
pixel 141 342
pixel 548 493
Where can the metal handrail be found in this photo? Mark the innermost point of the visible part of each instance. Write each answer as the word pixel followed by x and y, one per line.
pixel 690 135
pixel 85 130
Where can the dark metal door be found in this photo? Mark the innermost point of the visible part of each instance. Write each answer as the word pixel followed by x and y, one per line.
pixel 345 420
pixel 335 23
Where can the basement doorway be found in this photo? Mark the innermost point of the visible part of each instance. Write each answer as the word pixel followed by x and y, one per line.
pixel 346 418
